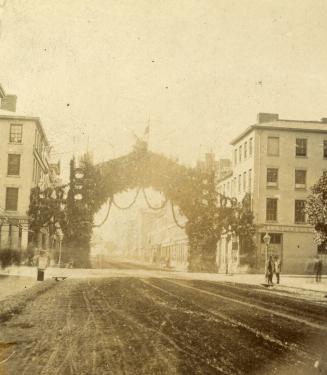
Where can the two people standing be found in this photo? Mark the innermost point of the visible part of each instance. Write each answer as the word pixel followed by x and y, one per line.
pixel 273 266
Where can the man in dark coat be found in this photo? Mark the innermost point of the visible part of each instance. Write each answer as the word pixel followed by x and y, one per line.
pixel 317 268
pixel 270 268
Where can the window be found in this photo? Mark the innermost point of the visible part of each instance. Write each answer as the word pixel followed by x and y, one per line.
pixel 240 154
pixel 245 150
pixel 301 147
pixel 272 177
pixel 325 149
pixel 13 165
pixel 16 133
pixel 244 181
pixel 11 198
pixel 273 146
pixel 250 180
pixel 275 238
pixel 250 146
pixel 299 211
pixel 271 209
pixel 239 183
pixel 235 156
pixel 300 179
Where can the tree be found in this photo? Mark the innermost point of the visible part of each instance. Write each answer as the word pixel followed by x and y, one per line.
pixel 316 209
pixel 46 211
pixel 82 203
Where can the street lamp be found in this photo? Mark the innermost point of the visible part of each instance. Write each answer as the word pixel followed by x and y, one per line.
pixel 228 238
pixel 266 240
pixel 60 237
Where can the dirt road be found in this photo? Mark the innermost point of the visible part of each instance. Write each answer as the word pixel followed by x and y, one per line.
pixel 162 326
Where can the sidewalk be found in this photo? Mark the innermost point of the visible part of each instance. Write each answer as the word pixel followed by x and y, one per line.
pixel 10 285
pixel 296 281
pixel 26 276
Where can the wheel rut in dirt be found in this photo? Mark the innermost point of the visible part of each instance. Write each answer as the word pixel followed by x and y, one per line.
pixel 129 325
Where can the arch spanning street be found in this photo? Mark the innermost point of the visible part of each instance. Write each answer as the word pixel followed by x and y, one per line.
pixel 192 190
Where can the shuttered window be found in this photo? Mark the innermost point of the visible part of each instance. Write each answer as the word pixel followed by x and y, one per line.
pixel 273 146
pixel 13 165
pixel 271 209
pixel 11 198
pixel 299 211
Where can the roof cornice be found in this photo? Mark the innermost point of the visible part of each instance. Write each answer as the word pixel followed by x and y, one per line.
pixel 271 126
pixel 28 118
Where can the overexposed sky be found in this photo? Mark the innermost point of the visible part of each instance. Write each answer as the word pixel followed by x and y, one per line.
pixel 96 71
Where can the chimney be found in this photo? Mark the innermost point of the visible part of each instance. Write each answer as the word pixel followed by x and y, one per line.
pixel 8 103
pixel 267 117
pixel 324 120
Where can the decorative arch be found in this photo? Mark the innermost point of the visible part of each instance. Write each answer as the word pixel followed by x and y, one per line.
pixel 192 190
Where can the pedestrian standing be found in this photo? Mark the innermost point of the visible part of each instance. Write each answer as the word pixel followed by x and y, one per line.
pixel 42 263
pixel 270 270
pixel 317 268
pixel 278 268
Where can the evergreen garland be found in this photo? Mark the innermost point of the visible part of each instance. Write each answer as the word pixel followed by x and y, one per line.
pixel 316 209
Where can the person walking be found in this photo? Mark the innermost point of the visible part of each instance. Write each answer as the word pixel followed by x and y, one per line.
pixel 317 268
pixel 278 268
pixel 270 270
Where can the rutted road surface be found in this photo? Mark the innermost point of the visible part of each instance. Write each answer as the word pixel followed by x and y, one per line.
pixel 131 325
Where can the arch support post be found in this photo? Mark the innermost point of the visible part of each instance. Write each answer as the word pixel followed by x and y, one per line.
pixel 202 254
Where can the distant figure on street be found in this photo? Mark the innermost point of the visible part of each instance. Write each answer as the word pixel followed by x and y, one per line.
pixel 278 268
pixel 317 267
pixel 270 267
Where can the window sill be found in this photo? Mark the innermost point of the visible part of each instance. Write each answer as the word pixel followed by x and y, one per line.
pixel 301 156
pixel 301 223
pixel 272 187
pixel 272 221
pixel 15 144
pixel 13 176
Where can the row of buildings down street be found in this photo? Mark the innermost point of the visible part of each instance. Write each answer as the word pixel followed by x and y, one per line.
pixel 277 161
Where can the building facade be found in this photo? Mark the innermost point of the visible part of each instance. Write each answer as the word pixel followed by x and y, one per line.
pixel 24 163
pixel 277 161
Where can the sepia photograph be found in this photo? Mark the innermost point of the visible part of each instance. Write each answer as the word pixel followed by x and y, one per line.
pixel 163 187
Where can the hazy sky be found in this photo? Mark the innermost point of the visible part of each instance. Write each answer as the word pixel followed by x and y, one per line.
pixel 199 70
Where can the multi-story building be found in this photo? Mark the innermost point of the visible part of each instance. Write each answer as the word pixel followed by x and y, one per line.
pixel 24 155
pixel 168 242
pixel 277 161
